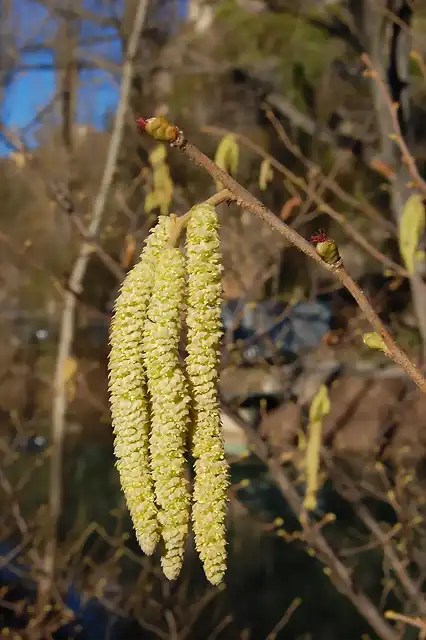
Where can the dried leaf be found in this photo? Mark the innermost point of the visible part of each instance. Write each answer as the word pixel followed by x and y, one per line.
pixel 411 228
pixel 288 207
pixel 265 175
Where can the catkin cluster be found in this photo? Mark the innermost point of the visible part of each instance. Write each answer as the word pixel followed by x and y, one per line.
pixel 157 400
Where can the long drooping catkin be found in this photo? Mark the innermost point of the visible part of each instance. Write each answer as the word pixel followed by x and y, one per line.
pixel 169 406
pixel 204 333
pixel 127 385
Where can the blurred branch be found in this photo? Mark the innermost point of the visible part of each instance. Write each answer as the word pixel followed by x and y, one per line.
pixel 338 573
pixel 348 489
pixel 68 316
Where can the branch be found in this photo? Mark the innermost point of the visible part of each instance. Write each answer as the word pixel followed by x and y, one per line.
pixel 245 199
pixel 338 573
pixel 397 135
pixel 68 315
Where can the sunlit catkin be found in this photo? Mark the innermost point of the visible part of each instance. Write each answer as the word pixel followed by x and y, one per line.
pixel 169 406
pixel 127 385
pixel 204 333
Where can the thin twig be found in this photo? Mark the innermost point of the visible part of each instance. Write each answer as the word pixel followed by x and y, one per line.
pixel 68 315
pixel 284 620
pixel 322 205
pixel 348 489
pixel 245 199
pixel 338 573
pixel 407 157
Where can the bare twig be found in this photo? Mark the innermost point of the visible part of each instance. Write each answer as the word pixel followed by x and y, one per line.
pixel 68 315
pixel 407 157
pixel 284 620
pixel 245 199
pixel 322 205
pixel 348 489
pixel 338 573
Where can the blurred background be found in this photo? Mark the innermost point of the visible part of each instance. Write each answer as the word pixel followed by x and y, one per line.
pixel 279 93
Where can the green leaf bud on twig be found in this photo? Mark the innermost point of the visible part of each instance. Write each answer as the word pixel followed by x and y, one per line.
pixel 127 384
pixel 327 249
pixel 159 128
pixel 204 333
pixel 374 341
pixel 169 406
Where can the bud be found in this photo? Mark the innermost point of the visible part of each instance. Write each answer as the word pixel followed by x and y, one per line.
pixel 169 406
pixel 204 333
pixel 374 341
pixel 127 386
pixel 327 249
pixel 159 128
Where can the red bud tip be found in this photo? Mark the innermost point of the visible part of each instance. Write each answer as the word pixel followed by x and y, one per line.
pixel 321 236
pixel 141 123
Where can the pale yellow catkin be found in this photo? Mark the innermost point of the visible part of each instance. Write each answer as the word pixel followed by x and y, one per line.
pixel 128 394
pixel 204 333
pixel 169 406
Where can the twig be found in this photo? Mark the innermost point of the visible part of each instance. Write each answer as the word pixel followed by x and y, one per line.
pixel 322 205
pixel 363 207
pixel 348 489
pixel 413 622
pixel 338 573
pixel 221 626
pixel 284 620
pixel 68 315
pixel 245 199
pixel 398 137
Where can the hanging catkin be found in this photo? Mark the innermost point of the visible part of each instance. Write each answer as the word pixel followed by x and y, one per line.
pixel 204 333
pixel 170 406
pixel 127 385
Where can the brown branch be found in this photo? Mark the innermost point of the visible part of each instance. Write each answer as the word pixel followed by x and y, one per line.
pixel 325 208
pixel 245 199
pixel 338 573
pixel 348 489
pixel 363 207
pixel 407 157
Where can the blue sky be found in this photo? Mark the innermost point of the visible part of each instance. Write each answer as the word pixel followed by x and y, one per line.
pixel 30 91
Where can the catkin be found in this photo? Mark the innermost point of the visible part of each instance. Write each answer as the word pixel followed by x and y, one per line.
pixel 204 333
pixel 127 385
pixel 169 406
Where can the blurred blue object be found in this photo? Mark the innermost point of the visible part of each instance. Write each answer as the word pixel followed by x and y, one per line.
pixel 272 330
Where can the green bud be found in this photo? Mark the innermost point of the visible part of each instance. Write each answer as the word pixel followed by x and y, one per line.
pixel 329 252
pixel 374 341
